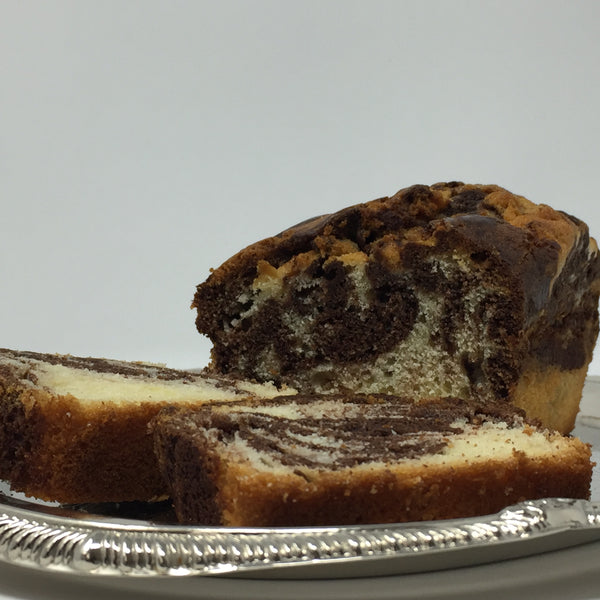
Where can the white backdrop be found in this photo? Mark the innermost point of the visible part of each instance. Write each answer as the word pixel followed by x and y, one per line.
pixel 143 142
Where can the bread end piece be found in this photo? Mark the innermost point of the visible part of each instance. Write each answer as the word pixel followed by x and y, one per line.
pixel 75 430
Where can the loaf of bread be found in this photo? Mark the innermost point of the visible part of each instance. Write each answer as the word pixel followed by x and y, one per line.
pixel 443 290
pixel 334 460
pixel 75 430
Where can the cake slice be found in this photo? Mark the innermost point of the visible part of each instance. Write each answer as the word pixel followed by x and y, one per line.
pixel 75 430
pixel 443 290
pixel 334 460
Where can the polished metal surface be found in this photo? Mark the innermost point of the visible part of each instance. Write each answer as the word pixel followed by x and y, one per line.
pixel 50 538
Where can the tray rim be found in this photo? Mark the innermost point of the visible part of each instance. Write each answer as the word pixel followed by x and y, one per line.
pixel 54 539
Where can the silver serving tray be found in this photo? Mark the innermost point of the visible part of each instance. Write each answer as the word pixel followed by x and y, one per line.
pixel 54 539
pixel 82 541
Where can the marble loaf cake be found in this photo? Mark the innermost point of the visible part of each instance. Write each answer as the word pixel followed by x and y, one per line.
pixel 358 459
pixel 443 290
pixel 75 430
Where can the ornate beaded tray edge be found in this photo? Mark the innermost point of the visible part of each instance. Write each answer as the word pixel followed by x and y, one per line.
pixel 55 539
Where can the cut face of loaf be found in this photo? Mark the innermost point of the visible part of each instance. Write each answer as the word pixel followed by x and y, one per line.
pixel 333 460
pixel 448 290
pixel 75 430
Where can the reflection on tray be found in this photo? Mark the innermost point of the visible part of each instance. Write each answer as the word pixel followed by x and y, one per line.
pixel 152 512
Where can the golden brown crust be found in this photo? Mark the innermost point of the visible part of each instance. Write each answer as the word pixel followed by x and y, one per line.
pixel 550 394
pixel 398 495
pixel 422 204
pixel 62 448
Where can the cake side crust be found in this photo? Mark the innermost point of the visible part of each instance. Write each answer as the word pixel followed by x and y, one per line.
pixel 67 441
pixel 393 496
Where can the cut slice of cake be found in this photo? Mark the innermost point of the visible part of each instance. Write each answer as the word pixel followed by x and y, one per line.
pixel 335 460
pixel 443 290
pixel 75 430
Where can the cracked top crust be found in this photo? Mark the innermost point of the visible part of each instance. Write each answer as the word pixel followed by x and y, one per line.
pixel 412 215
pixel 489 220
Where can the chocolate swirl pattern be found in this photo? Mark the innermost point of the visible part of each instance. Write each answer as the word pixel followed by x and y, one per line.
pixel 451 289
pixel 362 458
